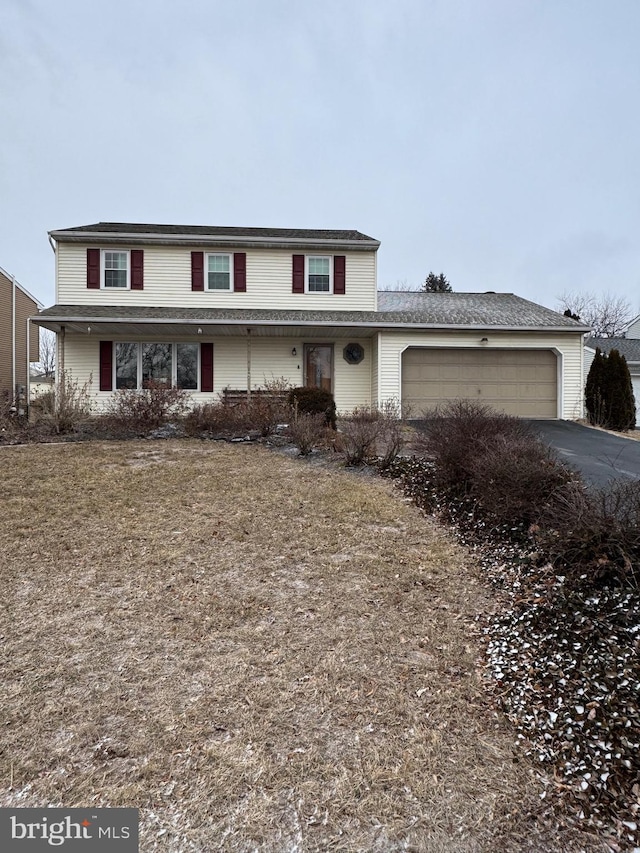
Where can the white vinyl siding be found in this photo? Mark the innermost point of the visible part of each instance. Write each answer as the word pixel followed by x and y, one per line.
pixel 567 347
pixel 167 282
pixel 271 359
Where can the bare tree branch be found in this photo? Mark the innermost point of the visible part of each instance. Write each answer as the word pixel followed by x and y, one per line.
pixel 607 314
pixel 47 364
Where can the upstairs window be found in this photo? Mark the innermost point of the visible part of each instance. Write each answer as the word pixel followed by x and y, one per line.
pixel 219 272
pixel 318 275
pixel 115 269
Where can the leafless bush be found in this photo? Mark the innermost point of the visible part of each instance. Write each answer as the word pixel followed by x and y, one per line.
pixel 372 432
pixel 457 433
pixel 67 407
pixel 308 430
pixel 514 477
pixel 146 408
pixel 594 535
pixel 209 418
pixel 269 406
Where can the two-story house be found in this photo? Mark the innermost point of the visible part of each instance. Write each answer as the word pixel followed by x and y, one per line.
pixel 209 308
pixel 19 339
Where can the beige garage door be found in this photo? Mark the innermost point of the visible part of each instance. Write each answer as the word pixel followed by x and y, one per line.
pixel 518 382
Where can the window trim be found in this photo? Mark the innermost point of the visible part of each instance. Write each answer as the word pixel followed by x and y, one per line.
pixel 174 364
pixel 308 258
pixel 229 256
pixel 103 285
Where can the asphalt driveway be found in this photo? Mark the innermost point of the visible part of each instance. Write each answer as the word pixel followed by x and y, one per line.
pixel 599 456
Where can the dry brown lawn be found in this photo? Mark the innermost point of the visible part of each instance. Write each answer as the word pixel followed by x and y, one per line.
pixel 258 652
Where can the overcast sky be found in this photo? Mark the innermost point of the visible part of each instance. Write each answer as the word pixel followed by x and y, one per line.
pixel 497 141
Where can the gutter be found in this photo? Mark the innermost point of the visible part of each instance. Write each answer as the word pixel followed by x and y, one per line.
pixel 41 319
pixel 211 240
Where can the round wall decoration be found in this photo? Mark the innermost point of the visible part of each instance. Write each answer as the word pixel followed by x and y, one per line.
pixel 353 353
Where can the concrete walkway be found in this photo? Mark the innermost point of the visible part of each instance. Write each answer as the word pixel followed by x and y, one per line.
pixel 599 456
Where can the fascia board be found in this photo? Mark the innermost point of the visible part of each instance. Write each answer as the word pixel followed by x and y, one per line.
pixel 210 240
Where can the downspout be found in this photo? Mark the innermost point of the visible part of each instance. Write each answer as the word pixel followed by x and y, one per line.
pixel 28 383
pixel 60 355
pixel 13 340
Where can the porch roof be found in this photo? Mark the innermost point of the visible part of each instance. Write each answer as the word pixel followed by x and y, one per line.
pixel 396 311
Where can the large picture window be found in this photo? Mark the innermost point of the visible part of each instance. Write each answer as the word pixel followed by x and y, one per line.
pixel 156 363
pixel 187 366
pixel 126 365
pixel 171 364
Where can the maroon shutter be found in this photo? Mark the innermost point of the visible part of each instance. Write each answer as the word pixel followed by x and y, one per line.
pixel 206 367
pixel 106 366
pixel 197 270
pixel 93 268
pixel 240 272
pixel 298 274
pixel 339 277
pixel 137 269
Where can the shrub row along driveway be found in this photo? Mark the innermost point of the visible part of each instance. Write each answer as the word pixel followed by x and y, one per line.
pixel 258 652
pixel 598 455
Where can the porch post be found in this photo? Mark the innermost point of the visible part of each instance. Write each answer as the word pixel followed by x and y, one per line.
pixel 249 365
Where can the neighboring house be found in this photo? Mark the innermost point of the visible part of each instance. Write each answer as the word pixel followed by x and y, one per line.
pixel 209 308
pixel 629 347
pixel 16 306
pixel 40 384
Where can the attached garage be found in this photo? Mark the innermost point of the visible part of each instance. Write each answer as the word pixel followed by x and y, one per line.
pixel 520 382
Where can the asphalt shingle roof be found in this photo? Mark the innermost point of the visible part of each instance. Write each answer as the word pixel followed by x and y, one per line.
pixel 473 309
pixel 628 347
pixel 426 310
pixel 214 231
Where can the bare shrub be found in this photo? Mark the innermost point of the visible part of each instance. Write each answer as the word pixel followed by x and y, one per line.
pixel 11 425
pixel 269 406
pixel 392 434
pixel 146 408
pixel 514 477
pixel 209 418
pixel 593 536
pixel 307 431
pixel 67 407
pixel 360 433
pixel 456 433
pixel 370 432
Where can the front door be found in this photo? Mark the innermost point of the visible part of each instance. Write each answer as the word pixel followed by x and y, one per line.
pixel 318 366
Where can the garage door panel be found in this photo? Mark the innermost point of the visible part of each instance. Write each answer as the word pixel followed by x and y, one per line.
pixel 518 382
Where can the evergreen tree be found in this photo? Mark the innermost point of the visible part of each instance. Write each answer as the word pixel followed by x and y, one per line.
pixel 622 404
pixel 609 393
pixel 437 283
pixel 594 390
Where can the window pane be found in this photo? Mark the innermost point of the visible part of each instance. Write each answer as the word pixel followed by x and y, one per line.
pixel 318 266
pixel 126 365
pixel 319 270
pixel 156 363
pixel 115 269
pixel 187 367
pixel 218 272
